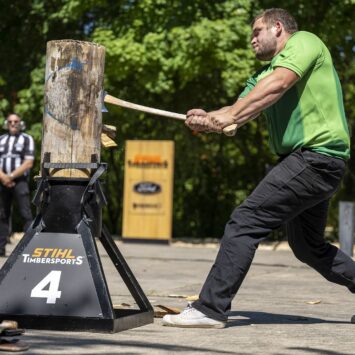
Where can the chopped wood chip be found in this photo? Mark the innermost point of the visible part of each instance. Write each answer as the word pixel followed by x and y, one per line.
pixel 160 310
pixel 314 302
pixel 9 324
pixel 192 298
pixel 109 130
pixel 107 142
pixel 122 305
pixel 177 296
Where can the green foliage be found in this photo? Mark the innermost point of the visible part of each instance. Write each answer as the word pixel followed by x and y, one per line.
pixel 179 65
pixel 173 55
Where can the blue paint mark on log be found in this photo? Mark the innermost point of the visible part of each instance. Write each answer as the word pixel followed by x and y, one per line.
pixel 74 64
pixel 50 114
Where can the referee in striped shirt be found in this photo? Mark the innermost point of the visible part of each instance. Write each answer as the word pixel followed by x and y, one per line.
pixel 16 159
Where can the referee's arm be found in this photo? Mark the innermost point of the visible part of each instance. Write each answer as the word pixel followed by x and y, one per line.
pixel 28 158
pixel 6 180
pixel 27 164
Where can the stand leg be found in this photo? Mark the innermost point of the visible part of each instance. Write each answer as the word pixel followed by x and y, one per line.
pixel 124 270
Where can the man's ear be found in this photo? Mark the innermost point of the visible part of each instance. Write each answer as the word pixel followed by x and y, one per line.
pixel 277 28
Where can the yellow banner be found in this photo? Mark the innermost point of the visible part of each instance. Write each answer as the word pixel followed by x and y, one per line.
pixel 148 190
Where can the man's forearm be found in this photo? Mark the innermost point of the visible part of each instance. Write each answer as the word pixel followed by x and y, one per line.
pixel 26 165
pixel 266 92
pixel 221 110
pixel 2 175
pixel 6 180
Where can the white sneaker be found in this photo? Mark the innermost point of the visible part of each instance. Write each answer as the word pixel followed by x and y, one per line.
pixel 191 318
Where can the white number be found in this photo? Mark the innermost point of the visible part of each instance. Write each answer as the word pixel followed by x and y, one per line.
pixel 52 293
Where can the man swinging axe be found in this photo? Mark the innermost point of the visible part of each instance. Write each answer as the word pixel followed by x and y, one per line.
pixel 300 93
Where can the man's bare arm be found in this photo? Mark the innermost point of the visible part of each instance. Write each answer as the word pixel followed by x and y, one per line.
pixel 221 110
pixel 268 91
pixel 228 108
pixel 26 165
pixel 6 180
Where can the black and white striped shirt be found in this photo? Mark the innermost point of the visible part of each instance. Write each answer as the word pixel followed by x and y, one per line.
pixel 14 150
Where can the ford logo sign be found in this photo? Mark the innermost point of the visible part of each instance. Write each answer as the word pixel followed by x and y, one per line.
pixel 147 188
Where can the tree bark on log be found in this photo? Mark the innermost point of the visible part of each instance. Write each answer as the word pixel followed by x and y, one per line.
pixel 72 119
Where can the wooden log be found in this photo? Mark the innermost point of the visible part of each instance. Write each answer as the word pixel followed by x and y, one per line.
pixel 72 119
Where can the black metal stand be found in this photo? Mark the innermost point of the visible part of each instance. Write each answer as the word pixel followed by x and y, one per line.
pixel 54 278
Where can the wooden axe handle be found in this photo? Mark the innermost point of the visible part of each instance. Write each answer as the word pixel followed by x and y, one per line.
pixel 228 131
pixel 115 101
pixel 231 130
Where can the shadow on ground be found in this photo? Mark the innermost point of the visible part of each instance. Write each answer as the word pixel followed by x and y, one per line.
pixel 61 343
pixel 312 351
pixel 242 318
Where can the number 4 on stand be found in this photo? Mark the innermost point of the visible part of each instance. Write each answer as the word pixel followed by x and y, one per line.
pixel 52 292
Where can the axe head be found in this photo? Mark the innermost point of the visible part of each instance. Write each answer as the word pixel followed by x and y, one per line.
pixel 103 107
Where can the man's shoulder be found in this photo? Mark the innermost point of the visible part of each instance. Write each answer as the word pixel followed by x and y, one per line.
pixel 304 36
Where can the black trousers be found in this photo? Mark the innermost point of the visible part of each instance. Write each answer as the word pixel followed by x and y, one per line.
pixel 296 192
pixel 21 192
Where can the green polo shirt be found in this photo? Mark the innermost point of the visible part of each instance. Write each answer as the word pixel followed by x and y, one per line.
pixel 311 113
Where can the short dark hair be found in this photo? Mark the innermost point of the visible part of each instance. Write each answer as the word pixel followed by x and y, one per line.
pixel 270 16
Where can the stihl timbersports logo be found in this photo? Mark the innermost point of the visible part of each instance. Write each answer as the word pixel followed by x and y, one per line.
pixel 52 256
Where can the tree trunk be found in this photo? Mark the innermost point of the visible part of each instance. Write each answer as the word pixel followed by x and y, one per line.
pixel 72 119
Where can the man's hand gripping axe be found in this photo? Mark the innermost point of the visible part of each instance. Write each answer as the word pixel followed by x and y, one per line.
pixel 228 131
